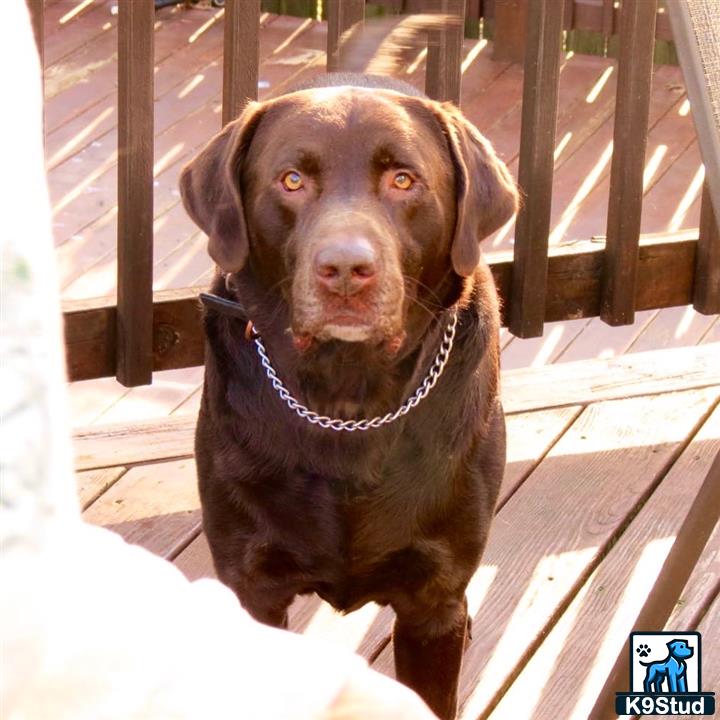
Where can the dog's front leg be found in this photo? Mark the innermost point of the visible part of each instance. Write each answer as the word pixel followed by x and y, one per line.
pixel 428 653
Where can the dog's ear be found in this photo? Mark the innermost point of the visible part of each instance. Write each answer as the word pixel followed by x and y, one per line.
pixel 210 190
pixel 486 193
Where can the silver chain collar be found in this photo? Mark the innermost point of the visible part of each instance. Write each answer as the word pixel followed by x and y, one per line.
pixel 433 375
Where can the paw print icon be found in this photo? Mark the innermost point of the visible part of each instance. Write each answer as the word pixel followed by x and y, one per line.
pixel 643 650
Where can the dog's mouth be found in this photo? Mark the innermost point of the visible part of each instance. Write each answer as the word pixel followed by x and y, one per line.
pixel 347 328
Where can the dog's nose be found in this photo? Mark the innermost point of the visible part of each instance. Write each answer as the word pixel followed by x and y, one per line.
pixel 346 267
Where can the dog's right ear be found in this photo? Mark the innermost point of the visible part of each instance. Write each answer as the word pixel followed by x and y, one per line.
pixel 210 189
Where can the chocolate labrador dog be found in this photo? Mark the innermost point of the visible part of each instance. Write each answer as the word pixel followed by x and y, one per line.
pixel 351 440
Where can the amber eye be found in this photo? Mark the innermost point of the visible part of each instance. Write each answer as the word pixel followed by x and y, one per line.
pixel 292 180
pixel 402 181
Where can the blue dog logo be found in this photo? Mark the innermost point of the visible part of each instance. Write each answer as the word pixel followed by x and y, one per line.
pixel 671 672
pixel 671 686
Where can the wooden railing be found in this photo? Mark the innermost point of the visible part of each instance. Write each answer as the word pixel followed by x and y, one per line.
pixel 146 332
pixel 590 23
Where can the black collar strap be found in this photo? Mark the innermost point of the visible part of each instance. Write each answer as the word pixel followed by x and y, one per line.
pixel 228 307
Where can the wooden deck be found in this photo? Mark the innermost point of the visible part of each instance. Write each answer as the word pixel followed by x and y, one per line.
pixel 604 459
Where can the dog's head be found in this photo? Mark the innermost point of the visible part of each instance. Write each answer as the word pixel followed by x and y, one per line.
pixel 360 204
pixel 680 649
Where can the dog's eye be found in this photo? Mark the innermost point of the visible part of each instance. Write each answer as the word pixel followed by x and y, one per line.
pixel 402 181
pixel 292 180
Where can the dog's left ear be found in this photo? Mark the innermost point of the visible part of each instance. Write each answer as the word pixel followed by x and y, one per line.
pixel 486 193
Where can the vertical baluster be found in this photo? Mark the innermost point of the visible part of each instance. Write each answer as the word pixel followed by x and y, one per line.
pixel 608 14
pixel 473 13
pixel 444 58
pixel 342 15
pixel 697 39
pixel 135 192
pixel 240 56
pixel 537 145
pixel 632 105
pixel 510 29
pixel 706 288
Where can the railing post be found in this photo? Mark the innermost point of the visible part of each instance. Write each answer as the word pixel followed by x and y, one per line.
pixel 240 56
pixel 511 28
pixel 135 193
pixel 697 39
pixel 342 15
pixel 632 106
pixel 444 59
pixel 537 144
pixel 706 288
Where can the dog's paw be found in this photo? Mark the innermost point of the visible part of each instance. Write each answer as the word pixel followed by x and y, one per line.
pixel 643 650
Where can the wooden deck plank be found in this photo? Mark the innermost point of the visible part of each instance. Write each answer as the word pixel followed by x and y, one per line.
pixel 710 628
pixel 673 202
pixel 543 350
pixel 496 100
pixel 701 589
pixel 55 10
pixel 131 444
pixel 195 560
pixel 713 334
pixel 566 674
pixel 91 484
pixel 88 399
pixel 530 436
pixel 673 327
pixel 62 39
pixel 190 405
pixel 156 506
pixel 625 376
pixel 480 73
pixel 598 340
pixel 78 65
pixel 603 466
pixel 523 390
pixel 169 389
